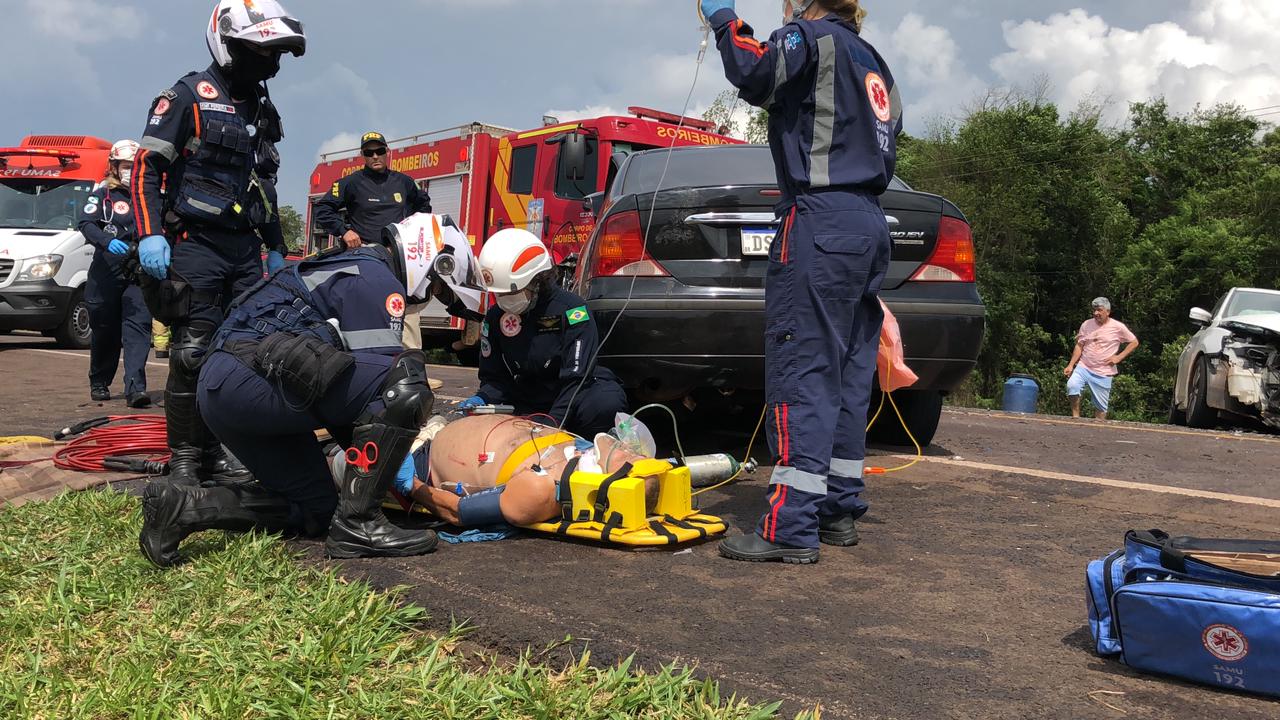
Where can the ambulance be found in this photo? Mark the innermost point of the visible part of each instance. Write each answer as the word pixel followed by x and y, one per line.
pixel 45 182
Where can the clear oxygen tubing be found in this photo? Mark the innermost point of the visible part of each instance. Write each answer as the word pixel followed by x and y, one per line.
pixel 644 246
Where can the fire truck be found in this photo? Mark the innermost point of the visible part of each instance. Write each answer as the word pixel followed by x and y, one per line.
pixel 488 178
pixel 44 260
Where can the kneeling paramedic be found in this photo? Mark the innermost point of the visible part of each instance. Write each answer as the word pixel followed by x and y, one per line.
pixel 317 345
pixel 834 115
pixel 538 344
pixel 203 198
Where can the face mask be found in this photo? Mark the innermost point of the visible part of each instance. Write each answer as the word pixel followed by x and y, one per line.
pixel 248 67
pixel 125 175
pixel 515 304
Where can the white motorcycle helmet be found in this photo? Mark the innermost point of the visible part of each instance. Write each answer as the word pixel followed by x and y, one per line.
pixel 123 151
pixel 262 23
pixel 511 259
pixel 426 248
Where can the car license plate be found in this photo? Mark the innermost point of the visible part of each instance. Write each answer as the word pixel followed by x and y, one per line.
pixel 756 240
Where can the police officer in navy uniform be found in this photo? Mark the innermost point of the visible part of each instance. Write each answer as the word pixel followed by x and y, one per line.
pixel 117 313
pixel 538 343
pixel 372 198
pixel 204 202
pixel 834 115
pixel 316 345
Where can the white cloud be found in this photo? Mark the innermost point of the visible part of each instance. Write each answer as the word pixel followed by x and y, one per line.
pixel 339 142
pixel 77 22
pixel 927 68
pixel 1221 53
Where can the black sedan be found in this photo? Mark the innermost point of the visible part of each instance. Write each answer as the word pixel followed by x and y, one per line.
pixel 688 265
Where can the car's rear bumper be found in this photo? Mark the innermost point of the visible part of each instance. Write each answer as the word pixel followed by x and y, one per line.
pixel 40 305
pixel 663 348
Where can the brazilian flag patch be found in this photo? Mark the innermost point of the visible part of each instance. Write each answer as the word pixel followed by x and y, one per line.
pixel 577 315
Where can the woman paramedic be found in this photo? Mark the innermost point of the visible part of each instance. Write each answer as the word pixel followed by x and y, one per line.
pixel 538 343
pixel 117 313
pixel 834 115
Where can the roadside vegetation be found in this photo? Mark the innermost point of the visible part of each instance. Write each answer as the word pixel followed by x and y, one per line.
pixel 88 629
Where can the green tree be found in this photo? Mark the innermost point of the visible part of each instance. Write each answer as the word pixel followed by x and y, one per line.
pixel 291 223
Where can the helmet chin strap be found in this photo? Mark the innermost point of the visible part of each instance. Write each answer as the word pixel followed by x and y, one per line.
pixel 799 8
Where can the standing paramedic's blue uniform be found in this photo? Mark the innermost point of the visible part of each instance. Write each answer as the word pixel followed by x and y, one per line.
pixel 117 313
pixel 351 303
pixel 834 115
pixel 543 359
pixel 203 180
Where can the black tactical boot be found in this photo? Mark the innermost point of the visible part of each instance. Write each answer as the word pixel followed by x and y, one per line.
pixel 359 527
pixel 187 437
pixel 838 530
pixel 219 467
pixel 172 512
pixel 753 548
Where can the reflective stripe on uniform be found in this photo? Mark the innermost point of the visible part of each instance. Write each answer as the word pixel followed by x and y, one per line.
pixel 799 479
pixel 164 148
pixel 319 277
pixel 824 114
pixel 206 207
pixel 779 75
pixel 846 468
pixel 365 339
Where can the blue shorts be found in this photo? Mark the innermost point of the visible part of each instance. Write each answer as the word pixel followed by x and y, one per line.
pixel 1099 386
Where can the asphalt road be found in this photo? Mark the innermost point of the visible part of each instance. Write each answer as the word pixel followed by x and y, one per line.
pixel 963 600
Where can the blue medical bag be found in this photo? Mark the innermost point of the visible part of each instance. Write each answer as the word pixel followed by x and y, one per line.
pixel 1166 608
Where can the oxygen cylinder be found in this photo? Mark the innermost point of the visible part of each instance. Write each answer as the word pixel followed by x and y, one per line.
pixel 711 469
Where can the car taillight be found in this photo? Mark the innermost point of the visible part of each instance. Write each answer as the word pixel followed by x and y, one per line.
pixel 620 250
pixel 953 256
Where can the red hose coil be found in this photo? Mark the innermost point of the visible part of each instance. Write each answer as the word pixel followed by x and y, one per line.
pixel 140 436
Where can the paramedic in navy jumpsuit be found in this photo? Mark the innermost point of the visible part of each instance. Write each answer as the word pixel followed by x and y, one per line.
pixel 347 306
pixel 539 343
pixel 202 191
pixel 117 313
pixel 834 115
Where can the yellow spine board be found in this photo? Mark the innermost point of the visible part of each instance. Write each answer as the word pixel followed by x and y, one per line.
pixel 626 520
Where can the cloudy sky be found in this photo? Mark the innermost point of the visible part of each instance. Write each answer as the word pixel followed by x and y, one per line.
pixel 408 66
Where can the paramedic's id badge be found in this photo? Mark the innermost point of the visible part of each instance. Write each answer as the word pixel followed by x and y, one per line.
pixel 577 315
pixel 510 324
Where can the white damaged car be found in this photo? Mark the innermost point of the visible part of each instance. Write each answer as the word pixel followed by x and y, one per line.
pixel 1231 367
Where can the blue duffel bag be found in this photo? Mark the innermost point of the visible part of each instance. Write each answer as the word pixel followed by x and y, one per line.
pixel 1167 609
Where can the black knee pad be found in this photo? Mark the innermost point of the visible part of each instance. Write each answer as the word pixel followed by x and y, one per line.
pixel 189 347
pixel 406 398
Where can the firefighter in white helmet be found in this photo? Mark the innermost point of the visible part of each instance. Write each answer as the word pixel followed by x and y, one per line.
pixel 204 194
pixel 118 316
pixel 538 343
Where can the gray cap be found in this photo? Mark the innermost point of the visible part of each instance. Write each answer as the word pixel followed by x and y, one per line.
pixel 1101 302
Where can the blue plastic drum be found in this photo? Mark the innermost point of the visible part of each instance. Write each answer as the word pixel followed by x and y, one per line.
pixel 1021 394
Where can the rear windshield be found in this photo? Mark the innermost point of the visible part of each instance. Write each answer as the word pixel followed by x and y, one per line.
pixel 700 167
pixel 705 167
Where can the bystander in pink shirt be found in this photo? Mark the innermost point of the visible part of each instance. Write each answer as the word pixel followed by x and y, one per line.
pixel 1100 342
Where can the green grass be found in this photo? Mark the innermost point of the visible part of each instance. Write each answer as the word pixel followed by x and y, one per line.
pixel 89 629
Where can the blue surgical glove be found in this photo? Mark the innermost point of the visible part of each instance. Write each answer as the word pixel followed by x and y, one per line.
pixel 118 247
pixel 275 261
pixel 153 252
pixel 711 7
pixel 404 477
pixel 473 401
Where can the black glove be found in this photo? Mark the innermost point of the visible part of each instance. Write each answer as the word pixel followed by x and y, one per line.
pixel 303 365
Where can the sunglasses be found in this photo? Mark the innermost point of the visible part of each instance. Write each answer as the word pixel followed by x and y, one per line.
pixel 375 152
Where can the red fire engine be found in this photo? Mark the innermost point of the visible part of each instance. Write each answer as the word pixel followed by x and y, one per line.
pixel 489 178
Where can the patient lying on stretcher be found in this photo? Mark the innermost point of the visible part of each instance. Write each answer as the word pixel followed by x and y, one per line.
pixel 489 469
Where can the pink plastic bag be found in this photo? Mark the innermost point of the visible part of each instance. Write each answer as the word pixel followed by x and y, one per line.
pixel 891 364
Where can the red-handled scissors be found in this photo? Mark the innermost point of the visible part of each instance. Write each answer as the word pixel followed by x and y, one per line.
pixel 363 459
